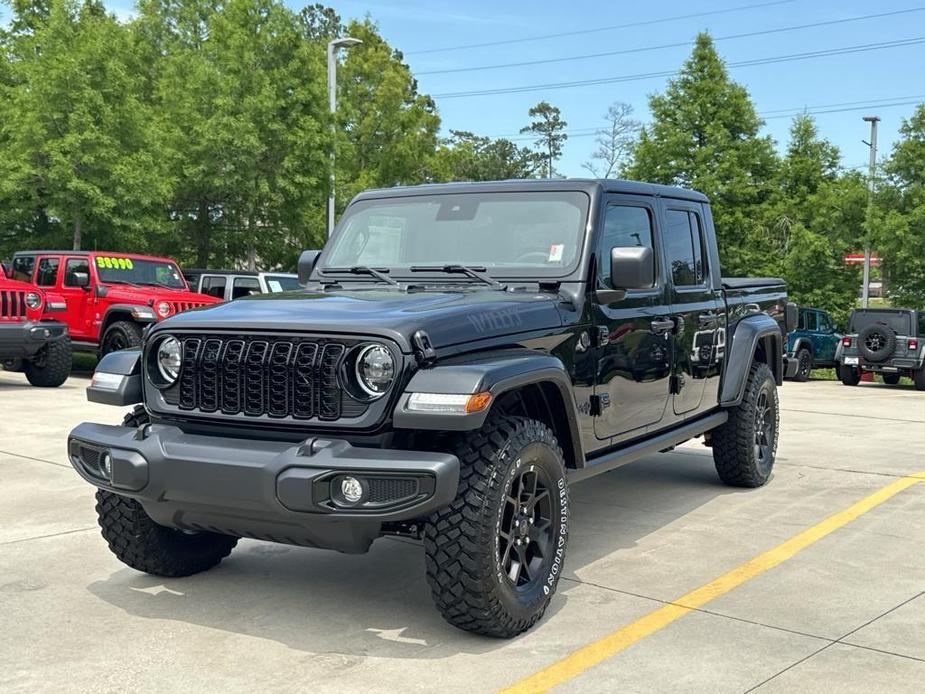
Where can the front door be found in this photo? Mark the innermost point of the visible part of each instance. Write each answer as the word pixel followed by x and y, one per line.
pixel 695 306
pixel 633 349
pixel 79 300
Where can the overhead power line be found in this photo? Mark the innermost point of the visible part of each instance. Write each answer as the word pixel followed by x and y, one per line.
pixel 845 50
pixel 582 32
pixel 662 46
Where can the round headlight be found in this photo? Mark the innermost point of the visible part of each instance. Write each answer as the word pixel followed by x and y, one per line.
pixel 168 359
pixel 163 309
pixel 375 369
pixel 33 300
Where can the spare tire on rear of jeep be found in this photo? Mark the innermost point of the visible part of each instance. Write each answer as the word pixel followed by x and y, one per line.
pixel 876 343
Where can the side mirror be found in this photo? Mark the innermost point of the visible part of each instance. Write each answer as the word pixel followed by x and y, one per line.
pixel 632 267
pixel 81 279
pixel 791 316
pixel 306 264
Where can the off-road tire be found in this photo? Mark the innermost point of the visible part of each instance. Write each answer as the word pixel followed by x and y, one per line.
pixel 849 375
pixel 51 366
pixel 139 542
pixel 464 548
pixel 126 333
pixel 804 365
pixel 880 335
pixel 918 378
pixel 735 443
pixel 891 379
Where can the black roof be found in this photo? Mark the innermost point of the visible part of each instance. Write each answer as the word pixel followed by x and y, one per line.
pixel 607 185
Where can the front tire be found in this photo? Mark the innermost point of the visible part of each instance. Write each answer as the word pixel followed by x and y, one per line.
pixel 122 334
pixel 495 554
pixel 51 366
pixel 745 447
pixel 804 365
pixel 139 542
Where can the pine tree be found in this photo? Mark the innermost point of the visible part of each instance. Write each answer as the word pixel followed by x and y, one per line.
pixel 705 135
pixel 549 129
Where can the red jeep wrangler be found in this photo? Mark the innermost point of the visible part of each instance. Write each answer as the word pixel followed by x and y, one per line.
pixel 107 298
pixel 39 347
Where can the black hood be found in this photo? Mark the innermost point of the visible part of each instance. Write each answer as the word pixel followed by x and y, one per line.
pixel 449 317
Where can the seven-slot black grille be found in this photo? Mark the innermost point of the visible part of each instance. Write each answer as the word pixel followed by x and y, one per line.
pixel 256 376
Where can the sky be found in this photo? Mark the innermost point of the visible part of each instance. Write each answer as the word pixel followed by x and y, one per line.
pixel 839 89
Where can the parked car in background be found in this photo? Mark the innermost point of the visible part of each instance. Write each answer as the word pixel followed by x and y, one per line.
pixel 813 345
pixel 107 299
pixel 888 341
pixel 229 285
pixel 448 376
pixel 39 347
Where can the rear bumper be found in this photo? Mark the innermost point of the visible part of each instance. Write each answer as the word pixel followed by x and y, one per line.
pixel 890 365
pixel 21 340
pixel 264 489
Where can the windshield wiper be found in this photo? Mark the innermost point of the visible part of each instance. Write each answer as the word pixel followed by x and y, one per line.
pixel 131 284
pixel 161 284
pixel 473 271
pixel 378 273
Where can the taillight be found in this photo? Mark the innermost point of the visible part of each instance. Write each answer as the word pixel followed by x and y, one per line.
pixel 912 344
pixel 846 341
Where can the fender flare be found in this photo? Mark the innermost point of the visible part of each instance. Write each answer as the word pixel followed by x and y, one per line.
pixel 497 374
pixel 746 337
pixel 803 341
pixel 126 308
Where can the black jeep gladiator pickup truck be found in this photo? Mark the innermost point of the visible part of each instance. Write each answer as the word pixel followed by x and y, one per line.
pixel 458 356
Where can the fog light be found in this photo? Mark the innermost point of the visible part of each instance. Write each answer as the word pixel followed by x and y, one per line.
pixel 351 489
pixel 106 464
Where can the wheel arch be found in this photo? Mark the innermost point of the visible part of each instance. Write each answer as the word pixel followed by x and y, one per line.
pixel 535 385
pixel 756 338
pixel 125 312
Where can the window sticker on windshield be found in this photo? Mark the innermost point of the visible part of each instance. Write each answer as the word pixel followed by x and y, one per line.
pixel 114 263
pixel 556 251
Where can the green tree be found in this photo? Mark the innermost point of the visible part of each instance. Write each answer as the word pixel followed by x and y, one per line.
pixel 79 146
pixel 465 156
pixel 898 232
pixel 704 135
pixel 549 129
pixel 812 218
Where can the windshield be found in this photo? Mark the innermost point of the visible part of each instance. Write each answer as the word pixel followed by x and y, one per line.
pixel 119 269
pixel 509 234
pixel 897 321
pixel 282 283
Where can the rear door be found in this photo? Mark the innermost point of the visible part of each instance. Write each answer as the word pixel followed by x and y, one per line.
pixel 633 357
pixel 695 306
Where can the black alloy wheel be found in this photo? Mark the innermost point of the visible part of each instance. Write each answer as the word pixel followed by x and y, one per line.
pixel 765 430
pixel 525 533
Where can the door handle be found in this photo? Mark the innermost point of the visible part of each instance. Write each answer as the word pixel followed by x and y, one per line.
pixel 708 320
pixel 660 327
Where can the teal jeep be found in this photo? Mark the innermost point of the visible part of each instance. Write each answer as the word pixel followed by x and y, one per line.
pixel 814 343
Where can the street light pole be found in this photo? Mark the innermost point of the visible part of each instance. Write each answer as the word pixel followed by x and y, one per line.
pixel 333 47
pixel 865 289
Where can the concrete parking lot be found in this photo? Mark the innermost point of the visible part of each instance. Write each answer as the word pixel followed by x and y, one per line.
pixel 844 613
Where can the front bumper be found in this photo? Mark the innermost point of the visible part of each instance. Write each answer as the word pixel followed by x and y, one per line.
pixel 266 490
pixel 22 339
pixel 790 366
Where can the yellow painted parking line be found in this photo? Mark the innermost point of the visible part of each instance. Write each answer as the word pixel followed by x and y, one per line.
pixel 588 656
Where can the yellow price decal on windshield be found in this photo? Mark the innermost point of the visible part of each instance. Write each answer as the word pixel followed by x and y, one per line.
pixel 113 263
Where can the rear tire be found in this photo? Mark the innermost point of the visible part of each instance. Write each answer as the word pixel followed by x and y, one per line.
pixel 495 554
pixel 122 334
pixel 918 377
pixel 891 379
pixel 51 366
pixel 804 365
pixel 850 375
pixel 745 447
pixel 139 542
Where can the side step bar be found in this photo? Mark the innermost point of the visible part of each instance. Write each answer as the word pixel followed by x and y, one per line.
pixel 634 451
